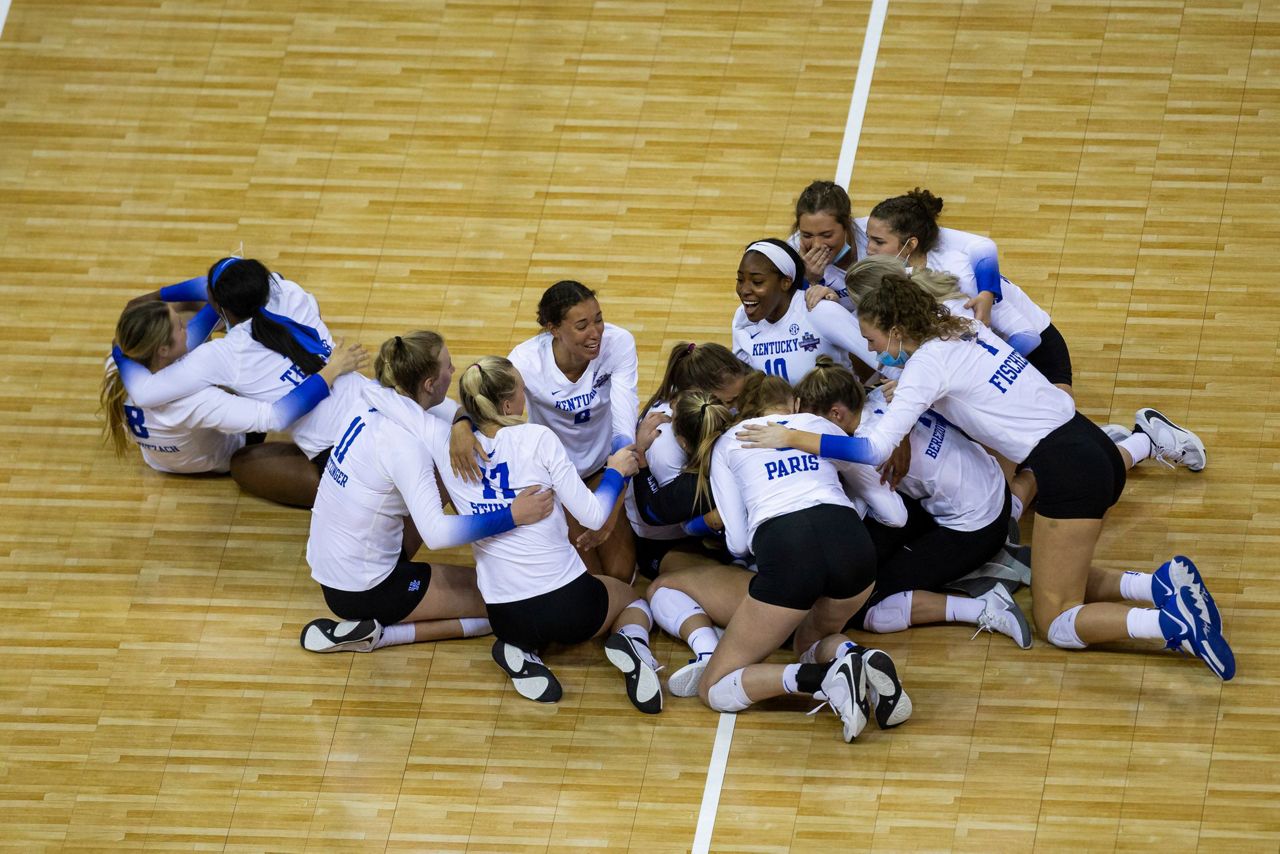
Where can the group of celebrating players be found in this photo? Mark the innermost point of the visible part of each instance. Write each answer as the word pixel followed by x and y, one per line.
pixel 857 460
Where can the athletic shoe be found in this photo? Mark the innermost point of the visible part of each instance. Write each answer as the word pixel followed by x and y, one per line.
pixel 684 682
pixel 1117 432
pixel 532 679
pixel 891 702
pixel 644 688
pixel 844 688
pixel 1001 614
pixel 348 636
pixel 1178 573
pixel 1171 444
pixel 1183 629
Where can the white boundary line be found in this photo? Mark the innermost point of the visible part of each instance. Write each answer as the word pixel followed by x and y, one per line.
pixel 4 13
pixel 861 91
pixel 844 174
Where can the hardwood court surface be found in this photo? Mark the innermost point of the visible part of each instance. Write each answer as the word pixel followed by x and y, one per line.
pixel 438 165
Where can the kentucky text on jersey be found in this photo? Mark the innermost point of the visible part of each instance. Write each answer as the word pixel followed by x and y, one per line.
pixel 1013 365
pixel 808 343
pixel 791 465
pixel 572 403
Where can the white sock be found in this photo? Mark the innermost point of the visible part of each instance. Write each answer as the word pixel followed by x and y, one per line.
pixel 1138 445
pixel 1016 512
pixel 1144 623
pixel 1136 587
pixel 641 635
pixel 961 609
pixel 703 641
pixel 474 626
pixel 395 635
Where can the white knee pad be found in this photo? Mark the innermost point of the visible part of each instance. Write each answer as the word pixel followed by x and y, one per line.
pixel 671 608
pixel 641 605
pixel 1062 631
pixel 891 614
pixel 727 694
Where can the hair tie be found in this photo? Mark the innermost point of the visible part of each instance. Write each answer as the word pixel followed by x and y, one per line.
pixel 476 365
pixel 399 341
pixel 689 349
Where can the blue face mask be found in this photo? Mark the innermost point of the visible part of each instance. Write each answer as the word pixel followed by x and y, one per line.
pixel 843 252
pixel 893 361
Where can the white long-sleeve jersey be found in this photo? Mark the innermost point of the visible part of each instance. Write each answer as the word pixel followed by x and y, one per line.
pixel 242 365
pixel 666 459
pixel 378 473
pixel 791 347
pixel 596 414
pixel 978 383
pixel 953 477
pixel 752 486
pixel 532 559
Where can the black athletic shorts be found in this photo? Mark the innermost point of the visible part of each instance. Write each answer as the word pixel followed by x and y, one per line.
pixel 1079 471
pixel 649 553
pixel 811 553
pixel 390 602
pixel 569 614
pixel 1052 358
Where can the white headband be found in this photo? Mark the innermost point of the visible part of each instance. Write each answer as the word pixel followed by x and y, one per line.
pixel 780 258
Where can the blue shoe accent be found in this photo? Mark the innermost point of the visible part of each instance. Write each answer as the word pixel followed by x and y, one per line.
pixel 1180 573
pixel 1183 628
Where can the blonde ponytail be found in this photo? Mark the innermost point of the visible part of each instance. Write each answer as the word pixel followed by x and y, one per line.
pixel 406 361
pixel 143 329
pixel 700 419
pixel 483 387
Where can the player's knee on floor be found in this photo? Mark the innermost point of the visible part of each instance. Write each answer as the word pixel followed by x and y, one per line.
pixel 727 695
pixel 892 614
pixel 1062 631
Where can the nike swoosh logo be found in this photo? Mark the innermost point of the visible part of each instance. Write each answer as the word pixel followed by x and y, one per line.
pixel 757 332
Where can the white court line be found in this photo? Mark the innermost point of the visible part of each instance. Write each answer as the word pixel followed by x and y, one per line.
pixel 861 91
pixel 4 13
pixel 844 173
pixel 715 776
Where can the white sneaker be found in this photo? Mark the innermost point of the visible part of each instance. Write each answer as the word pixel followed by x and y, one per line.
pixel 684 682
pixel 1117 432
pixel 1001 614
pixel 844 687
pixel 1171 444
pixel 325 635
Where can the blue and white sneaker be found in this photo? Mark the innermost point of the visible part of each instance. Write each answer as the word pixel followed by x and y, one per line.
pixel 1183 629
pixel 684 682
pixel 1179 573
pixel 1171 444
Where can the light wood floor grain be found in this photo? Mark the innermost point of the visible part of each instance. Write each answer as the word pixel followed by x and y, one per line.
pixel 438 164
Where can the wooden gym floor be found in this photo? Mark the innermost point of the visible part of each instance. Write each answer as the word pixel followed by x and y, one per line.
pixel 437 165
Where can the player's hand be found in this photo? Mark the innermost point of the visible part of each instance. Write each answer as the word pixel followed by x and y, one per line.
pixel 648 431
pixel 588 540
pixel 981 306
pixel 533 504
pixel 887 388
pixel 344 359
pixel 770 435
pixel 816 259
pixel 464 452
pixel 816 294
pixel 624 461
pixel 894 469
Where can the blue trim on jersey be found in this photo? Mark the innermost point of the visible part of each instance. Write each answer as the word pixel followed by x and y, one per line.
pixel 855 449
pixel 611 486
pixel 620 442
pixel 130 371
pixel 192 290
pixel 199 327
pixel 698 527
pixel 299 401
pixel 986 270
pixel 483 525
pixel 1024 342
pixel 305 335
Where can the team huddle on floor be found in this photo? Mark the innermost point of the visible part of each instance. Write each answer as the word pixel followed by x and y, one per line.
pixel 857 460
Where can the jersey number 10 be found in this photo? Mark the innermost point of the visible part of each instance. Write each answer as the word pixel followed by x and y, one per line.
pixel 776 368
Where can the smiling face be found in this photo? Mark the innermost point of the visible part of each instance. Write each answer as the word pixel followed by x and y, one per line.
pixel 578 334
pixel 765 293
pixel 821 229
pixel 881 240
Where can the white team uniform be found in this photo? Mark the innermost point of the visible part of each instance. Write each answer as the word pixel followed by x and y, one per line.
pixel 592 416
pixel 242 365
pixel 955 480
pixel 791 347
pixel 666 460
pixel 753 486
pixel 378 473
pixel 532 559
pixel 833 276
pixel 981 385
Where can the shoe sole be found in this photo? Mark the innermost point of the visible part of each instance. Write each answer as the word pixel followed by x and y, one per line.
pixel 893 706
pixel 644 689
pixel 684 682
pixel 1020 618
pixel 363 643
pixel 541 687
pixel 1200 644
pixel 1199 445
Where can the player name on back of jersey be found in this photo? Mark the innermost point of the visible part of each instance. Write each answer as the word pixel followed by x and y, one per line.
pixel 790 465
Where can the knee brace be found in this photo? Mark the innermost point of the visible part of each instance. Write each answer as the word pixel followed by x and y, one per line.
pixel 1062 631
pixel 727 694
pixel 891 614
pixel 641 605
pixel 671 608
